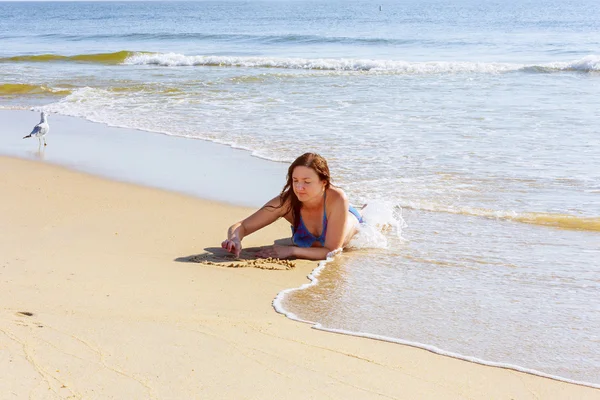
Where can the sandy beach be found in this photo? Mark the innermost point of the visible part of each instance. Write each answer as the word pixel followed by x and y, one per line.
pixel 111 290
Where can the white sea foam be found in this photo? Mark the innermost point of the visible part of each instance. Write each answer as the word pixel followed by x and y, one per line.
pixel 590 63
pixel 326 64
pixel 586 64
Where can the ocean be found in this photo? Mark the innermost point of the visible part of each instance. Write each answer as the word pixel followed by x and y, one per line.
pixel 469 128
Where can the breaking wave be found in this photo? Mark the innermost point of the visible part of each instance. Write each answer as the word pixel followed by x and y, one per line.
pixel 587 64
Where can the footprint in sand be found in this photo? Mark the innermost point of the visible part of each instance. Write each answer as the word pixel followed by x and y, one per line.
pixel 25 313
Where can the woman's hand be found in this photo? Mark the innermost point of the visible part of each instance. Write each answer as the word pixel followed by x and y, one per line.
pixel 233 246
pixel 276 251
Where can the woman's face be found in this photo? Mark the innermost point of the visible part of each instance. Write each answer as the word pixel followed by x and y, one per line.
pixel 306 183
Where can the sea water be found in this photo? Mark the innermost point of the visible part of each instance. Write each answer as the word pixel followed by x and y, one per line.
pixel 472 125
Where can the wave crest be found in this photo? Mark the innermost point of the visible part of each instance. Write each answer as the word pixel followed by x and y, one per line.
pixel 556 220
pixel 323 64
pixel 590 63
pixel 102 58
pixel 587 64
pixel 19 89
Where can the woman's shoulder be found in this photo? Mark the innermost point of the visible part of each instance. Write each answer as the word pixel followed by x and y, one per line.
pixel 336 197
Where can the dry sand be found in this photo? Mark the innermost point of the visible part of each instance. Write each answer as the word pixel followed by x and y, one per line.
pixel 101 299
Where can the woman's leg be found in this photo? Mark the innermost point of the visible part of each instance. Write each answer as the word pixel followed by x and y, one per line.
pixel 351 227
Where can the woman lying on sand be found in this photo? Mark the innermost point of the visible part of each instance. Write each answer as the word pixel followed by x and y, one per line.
pixel 322 220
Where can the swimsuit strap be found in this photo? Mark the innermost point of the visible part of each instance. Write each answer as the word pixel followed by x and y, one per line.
pixel 322 237
pixel 324 209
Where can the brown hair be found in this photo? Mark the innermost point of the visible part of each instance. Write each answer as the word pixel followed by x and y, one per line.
pixel 310 160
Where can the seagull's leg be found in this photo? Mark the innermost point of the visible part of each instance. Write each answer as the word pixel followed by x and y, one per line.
pixel 45 141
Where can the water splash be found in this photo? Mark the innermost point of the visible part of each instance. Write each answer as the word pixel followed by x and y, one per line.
pixel 381 218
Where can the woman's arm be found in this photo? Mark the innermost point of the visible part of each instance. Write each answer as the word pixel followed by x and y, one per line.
pixel 307 253
pixel 336 220
pixel 310 253
pixel 266 215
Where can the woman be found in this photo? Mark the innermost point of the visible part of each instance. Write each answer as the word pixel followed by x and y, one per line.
pixel 322 220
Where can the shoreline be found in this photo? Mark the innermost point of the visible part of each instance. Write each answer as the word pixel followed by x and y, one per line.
pixel 70 125
pixel 313 278
pixel 261 239
pixel 121 289
pixel 196 167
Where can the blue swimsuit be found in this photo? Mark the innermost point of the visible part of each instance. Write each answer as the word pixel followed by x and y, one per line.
pixel 302 236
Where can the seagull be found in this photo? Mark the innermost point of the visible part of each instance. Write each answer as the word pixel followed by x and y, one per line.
pixel 40 130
